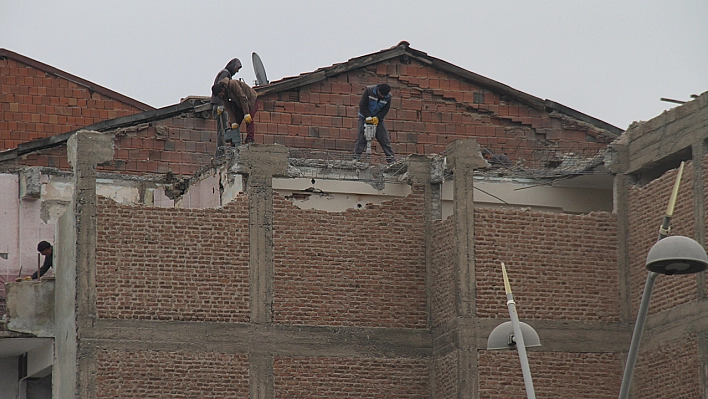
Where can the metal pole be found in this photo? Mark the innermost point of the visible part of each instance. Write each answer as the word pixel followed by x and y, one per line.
pixel 664 231
pixel 518 337
pixel 637 336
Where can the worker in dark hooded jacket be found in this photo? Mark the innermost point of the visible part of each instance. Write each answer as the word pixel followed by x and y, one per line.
pixel 373 108
pixel 240 102
pixel 217 106
pixel 229 71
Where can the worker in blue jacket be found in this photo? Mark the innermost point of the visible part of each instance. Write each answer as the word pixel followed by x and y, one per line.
pixel 373 107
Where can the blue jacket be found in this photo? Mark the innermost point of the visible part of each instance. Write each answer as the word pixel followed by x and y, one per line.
pixel 371 105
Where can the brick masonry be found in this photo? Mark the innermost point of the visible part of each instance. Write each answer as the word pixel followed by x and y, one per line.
pixel 551 275
pixel 647 206
pixel 35 104
pixel 429 109
pixel 180 145
pixel 353 268
pixel 179 375
pixel 670 370
pixel 555 375
pixel 173 264
pixel 325 377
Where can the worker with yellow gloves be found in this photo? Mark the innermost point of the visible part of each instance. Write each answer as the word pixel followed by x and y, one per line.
pixel 217 106
pixel 373 107
pixel 240 103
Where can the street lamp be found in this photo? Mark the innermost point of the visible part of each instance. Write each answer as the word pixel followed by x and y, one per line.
pixel 670 255
pixel 513 334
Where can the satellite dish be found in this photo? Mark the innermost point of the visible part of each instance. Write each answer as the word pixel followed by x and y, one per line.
pixel 261 78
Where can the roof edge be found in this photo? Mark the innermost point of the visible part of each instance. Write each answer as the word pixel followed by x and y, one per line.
pixel 75 79
pixel 583 117
pixel 403 48
pixel 333 70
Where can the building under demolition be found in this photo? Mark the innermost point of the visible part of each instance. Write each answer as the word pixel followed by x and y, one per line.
pixel 287 269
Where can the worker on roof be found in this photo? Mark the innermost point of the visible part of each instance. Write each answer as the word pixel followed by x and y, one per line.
pixel 229 71
pixel 217 106
pixel 373 107
pixel 240 102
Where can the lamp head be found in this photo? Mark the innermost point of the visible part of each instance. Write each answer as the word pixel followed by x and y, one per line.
pixel 502 337
pixel 676 255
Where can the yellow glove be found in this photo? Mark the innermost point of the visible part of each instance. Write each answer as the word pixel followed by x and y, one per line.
pixel 247 118
pixel 375 121
pixel 219 109
pixel 28 278
pixel 234 126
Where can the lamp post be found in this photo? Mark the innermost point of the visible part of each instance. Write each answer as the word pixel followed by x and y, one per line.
pixel 514 333
pixel 670 255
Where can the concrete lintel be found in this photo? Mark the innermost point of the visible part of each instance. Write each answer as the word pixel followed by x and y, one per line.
pixel 678 321
pixel 279 340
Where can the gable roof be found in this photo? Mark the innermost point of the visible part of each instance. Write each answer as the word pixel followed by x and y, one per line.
pixel 7 54
pixel 403 49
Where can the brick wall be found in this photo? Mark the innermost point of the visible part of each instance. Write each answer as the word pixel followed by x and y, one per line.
pixel 173 264
pixel 552 276
pixel 181 145
pixel 555 375
pixel 429 109
pixel 671 370
pixel 355 268
pixel 326 377
pixel 179 375
pixel 442 274
pixel 35 104
pixel 647 206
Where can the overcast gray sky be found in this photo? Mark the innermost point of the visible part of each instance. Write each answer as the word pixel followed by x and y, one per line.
pixel 610 59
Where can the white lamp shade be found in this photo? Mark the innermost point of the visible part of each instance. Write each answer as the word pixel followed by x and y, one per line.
pixel 502 337
pixel 676 255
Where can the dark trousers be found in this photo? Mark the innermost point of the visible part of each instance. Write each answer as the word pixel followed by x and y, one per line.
pixel 221 122
pixel 381 136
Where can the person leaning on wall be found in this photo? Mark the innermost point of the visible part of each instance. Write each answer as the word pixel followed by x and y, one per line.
pixel 47 250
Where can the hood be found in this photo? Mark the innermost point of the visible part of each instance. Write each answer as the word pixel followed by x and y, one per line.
pixel 233 65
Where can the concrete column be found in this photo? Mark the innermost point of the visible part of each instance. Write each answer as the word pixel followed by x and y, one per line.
pixel 261 163
pixel 621 210
pixel 75 298
pixel 463 156
pixel 618 164
pixel 419 174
